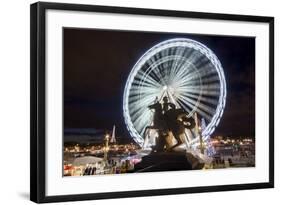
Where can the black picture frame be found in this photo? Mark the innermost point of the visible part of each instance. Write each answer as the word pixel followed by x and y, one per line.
pixel 38 100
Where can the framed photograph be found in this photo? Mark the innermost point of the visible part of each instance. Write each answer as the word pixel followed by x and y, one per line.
pixel 129 102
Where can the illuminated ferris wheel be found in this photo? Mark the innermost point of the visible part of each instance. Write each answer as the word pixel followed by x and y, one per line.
pixel 185 71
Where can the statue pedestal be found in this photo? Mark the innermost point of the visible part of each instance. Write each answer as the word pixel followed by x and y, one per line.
pixel 168 161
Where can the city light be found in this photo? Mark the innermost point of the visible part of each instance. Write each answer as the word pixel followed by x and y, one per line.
pixel 227 152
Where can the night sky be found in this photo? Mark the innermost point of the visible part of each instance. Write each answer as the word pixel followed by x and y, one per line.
pixel 97 64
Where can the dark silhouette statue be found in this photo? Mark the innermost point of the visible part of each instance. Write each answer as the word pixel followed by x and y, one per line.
pixel 167 118
pixel 167 105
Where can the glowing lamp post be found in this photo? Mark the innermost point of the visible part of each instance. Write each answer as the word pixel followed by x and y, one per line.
pixel 106 147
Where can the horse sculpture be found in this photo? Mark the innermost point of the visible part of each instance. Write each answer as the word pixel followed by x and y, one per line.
pixel 173 120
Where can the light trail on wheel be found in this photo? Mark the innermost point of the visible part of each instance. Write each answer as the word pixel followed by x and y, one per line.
pixel 185 71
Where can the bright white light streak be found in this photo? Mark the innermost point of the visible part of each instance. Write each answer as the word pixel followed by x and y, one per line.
pixel 187 72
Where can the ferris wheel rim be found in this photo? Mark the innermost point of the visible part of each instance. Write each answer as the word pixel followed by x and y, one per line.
pixel 183 42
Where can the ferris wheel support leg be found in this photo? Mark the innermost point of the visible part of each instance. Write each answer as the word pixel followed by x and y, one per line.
pixel 146 138
pixel 186 140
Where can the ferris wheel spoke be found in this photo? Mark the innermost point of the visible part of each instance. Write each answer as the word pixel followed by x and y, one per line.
pixel 207 92
pixel 195 74
pixel 145 91
pixel 137 105
pixel 143 102
pixel 183 70
pixel 174 60
pixel 184 106
pixel 202 110
pixel 208 87
pixel 181 62
pixel 149 79
pixel 181 84
pixel 204 114
pixel 202 98
pixel 203 107
pixel 195 57
pixel 178 59
pixel 156 72
pixel 150 73
pixel 202 61
pixel 137 112
pixel 146 83
pixel 210 74
pixel 140 118
pixel 176 54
